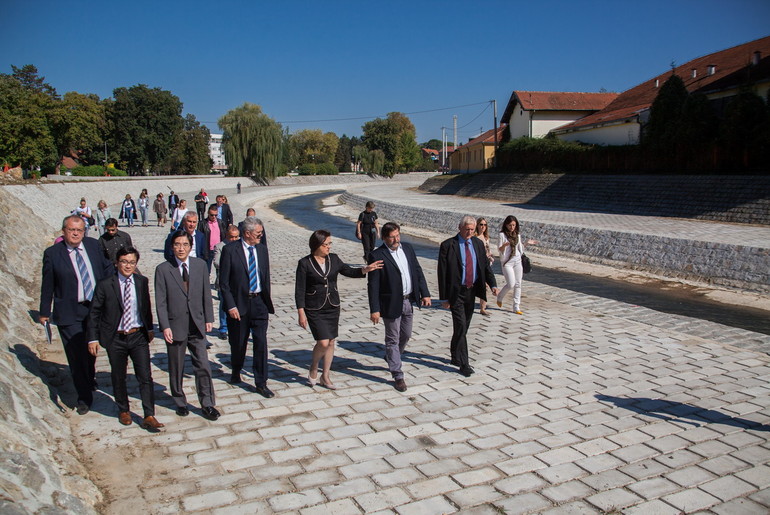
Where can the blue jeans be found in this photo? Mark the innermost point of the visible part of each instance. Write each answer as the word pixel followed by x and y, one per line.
pixel 222 319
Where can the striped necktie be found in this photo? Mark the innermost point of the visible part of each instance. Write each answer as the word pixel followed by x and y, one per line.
pixel 127 319
pixel 85 277
pixel 252 270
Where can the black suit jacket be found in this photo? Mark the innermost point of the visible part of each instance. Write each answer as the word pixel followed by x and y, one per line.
pixel 60 281
pixel 227 215
pixel 234 278
pixel 107 309
pixel 201 247
pixel 450 271
pixel 173 201
pixel 385 288
pixel 312 291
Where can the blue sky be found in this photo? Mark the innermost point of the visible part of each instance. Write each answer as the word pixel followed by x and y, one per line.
pixel 305 61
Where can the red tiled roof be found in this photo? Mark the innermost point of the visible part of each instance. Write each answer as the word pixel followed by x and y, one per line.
pixel 730 70
pixel 557 101
pixel 486 137
pixel 430 151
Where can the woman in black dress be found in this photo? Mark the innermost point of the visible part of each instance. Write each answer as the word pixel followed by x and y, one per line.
pixel 318 301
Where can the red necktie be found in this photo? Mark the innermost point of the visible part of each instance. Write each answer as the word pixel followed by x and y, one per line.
pixel 468 265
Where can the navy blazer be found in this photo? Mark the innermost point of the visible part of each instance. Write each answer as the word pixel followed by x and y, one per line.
pixel 201 247
pixel 60 281
pixel 234 278
pixel 386 293
pixel 107 309
pixel 450 271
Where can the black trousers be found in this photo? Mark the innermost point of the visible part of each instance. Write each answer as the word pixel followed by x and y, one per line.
pixel 82 364
pixel 462 312
pixel 136 347
pixel 368 240
pixel 255 321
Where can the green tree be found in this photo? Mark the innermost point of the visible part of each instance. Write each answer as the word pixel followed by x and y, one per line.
pixel 252 141
pixel 144 125
pixel 666 115
pixel 77 124
pixel 28 77
pixel 395 137
pixel 313 146
pixel 190 154
pixel 434 144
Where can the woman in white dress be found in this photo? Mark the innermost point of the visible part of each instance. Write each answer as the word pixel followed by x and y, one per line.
pixel 510 247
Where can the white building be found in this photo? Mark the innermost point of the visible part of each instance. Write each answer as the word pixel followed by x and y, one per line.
pixel 217 153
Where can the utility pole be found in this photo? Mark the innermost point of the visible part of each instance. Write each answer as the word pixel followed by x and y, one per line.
pixel 443 147
pixel 494 159
pixel 454 134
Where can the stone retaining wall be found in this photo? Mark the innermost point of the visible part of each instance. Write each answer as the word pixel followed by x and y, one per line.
pixel 730 198
pixel 706 262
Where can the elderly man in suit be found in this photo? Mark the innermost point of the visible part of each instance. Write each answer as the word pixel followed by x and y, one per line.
pixel 463 273
pixel 121 322
pixel 71 269
pixel 244 289
pixel 185 315
pixel 190 226
pixel 392 290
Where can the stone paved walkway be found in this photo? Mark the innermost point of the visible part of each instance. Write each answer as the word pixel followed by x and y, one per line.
pixel 575 408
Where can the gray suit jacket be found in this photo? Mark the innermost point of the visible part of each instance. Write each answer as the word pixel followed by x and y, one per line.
pixel 175 306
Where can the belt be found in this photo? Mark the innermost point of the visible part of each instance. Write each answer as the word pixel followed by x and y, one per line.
pixel 130 331
pixel 253 294
pixel 407 296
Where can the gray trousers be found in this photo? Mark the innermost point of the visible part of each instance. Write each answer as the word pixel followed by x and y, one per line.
pixel 397 334
pixel 201 369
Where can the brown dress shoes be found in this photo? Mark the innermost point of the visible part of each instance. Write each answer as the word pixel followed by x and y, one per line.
pixel 124 417
pixel 151 423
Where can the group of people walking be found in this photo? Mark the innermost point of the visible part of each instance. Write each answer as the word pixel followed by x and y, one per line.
pixel 101 300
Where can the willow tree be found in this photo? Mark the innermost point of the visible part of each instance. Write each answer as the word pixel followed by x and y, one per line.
pixel 252 141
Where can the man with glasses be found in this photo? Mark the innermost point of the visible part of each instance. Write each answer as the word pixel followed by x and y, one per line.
pixel 213 230
pixel 121 322
pixel 244 289
pixel 189 224
pixel 71 269
pixel 186 315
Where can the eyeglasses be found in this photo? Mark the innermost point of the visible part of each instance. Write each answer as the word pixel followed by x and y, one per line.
pixel 482 225
pixel 181 245
pixel 326 244
pixel 127 263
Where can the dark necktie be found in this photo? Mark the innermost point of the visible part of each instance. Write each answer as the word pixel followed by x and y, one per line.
pixel 252 270
pixel 468 265
pixel 126 320
pixel 185 277
pixel 85 277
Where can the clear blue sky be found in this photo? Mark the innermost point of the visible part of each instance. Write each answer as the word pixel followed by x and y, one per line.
pixel 305 61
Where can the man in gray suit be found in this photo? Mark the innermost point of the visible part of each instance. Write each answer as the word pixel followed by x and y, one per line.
pixel 185 315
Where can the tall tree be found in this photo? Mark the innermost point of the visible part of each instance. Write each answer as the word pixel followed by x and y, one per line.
pixel 395 137
pixel 144 124
pixel 190 154
pixel 666 114
pixel 252 141
pixel 28 77
pixel 314 146
pixel 77 124
pixel 434 144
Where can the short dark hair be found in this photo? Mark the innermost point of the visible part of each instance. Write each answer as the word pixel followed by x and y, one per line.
pixel 111 222
pixel 214 208
pixel 370 204
pixel 125 251
pixel 318 238
pixel 178 234
pixel 389 228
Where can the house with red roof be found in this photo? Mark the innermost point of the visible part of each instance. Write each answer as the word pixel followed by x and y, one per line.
pixel 535 113
pixel 719 76
pixel 477 154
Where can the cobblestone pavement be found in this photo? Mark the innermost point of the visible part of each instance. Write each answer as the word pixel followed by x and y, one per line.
pixel 575 407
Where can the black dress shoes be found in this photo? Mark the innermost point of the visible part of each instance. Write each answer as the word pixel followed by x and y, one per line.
pixel 400 385
pixel 454 362
pixel 265 392
pixel 235 378
pixel 83 408
pixel 466 370
pixel 182 411
pixel 210 412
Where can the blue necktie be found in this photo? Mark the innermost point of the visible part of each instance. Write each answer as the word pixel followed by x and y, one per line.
pixel 252 271
pixel 85 277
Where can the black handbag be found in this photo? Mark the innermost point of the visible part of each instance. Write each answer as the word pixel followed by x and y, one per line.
pixel 526 264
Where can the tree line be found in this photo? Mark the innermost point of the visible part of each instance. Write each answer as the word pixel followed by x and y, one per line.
pixel 142 130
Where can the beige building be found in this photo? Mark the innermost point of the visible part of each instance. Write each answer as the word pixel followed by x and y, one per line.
pixel 477 154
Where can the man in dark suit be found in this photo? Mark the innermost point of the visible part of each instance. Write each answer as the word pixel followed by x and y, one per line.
pixel 186 315
pixel 71 270
pixel 463 273
pixel 173 201
pixel 121 322
pixel 244 288
pixel 224 212
pixel 190 226
pixel 250 212
pixel 392 290
pixel 214 230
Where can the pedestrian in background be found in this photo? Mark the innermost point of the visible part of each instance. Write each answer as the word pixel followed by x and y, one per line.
pixel 128 210
pixel 160 209
pixel 482 233
pixel 366 228
pixel 511 249
pixel 178 214
pixel 144 206
pixel 101 215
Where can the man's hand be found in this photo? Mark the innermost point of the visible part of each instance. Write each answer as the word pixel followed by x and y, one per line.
pixel 425 301
pixel 375 318
pixel 168 336
pixel 42 319
pixel 209 326
pixel 93 348
pixel 233 313
pixel 445 304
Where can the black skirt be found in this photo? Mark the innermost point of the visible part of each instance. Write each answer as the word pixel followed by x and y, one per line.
pixel 324 323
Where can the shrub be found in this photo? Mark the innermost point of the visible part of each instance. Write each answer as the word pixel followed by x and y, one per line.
pixel 327 169
pixel 307 169
pixel 96 171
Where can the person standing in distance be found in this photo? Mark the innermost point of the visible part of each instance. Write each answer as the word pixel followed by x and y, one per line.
pixel 121 322
pixel 366 228
pixel 244 289
pixel 71 269
pixel 186 315
pixel 463 273
pixel 392 290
